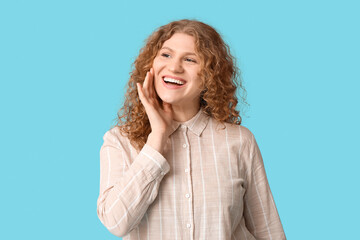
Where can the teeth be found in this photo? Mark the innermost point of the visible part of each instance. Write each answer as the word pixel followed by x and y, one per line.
pixel 173 81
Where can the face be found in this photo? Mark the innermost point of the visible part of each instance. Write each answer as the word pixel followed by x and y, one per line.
pixel 176 69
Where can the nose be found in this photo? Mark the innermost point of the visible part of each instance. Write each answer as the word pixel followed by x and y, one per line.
pixel 175 65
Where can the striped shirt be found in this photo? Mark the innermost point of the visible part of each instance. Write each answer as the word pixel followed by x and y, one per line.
pixel 209 183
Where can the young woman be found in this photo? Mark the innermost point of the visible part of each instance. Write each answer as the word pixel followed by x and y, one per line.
pixel 179 165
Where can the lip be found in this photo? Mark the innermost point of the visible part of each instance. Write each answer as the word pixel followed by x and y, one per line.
pixel 172 86
pixel 173 77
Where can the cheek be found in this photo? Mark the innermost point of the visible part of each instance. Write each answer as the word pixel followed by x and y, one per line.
pixel 198 81
pixel 157 64
pixel 156 83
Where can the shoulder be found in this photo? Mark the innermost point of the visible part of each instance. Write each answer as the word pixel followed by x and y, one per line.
pixel 236 131
pixel 115 138
pixel 112 134
pixel 246 134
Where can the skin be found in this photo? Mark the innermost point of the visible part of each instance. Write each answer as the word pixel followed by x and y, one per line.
pixel 175 59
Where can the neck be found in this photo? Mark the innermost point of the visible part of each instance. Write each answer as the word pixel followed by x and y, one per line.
pixel 185 113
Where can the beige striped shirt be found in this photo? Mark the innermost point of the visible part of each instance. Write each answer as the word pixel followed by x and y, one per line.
pixel 210 183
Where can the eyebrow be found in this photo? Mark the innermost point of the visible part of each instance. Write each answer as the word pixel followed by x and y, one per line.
pixel 186 53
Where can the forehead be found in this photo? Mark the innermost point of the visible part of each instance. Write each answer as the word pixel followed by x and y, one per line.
pixel 180 42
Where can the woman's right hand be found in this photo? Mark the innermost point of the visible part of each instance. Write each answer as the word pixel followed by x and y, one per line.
pixel 160 117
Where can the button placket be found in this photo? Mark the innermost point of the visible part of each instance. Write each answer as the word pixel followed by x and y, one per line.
pixel 186 146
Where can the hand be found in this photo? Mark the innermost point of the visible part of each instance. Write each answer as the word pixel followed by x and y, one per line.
pixel 160 115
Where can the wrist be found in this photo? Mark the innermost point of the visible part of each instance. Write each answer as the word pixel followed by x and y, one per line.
pixel 157 141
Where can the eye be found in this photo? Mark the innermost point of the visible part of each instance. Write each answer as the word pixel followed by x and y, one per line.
pixel 190 60
pixel 165 55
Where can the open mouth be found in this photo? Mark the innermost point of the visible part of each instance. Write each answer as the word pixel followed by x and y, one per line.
pixel 173 82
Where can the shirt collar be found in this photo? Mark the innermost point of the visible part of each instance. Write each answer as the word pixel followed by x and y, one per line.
pixel 196 124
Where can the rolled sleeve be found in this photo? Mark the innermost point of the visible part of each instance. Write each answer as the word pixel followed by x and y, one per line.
pixel 153 162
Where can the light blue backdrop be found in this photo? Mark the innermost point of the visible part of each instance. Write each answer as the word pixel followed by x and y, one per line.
pixel 63 68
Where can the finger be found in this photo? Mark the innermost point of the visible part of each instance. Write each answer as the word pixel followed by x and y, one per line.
pixel 148 85
pixel 151 80
pixel 141 94
pixel 145 99
pixel 145 86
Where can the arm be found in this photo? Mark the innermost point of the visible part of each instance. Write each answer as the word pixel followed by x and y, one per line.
pixel 126 194
pixel 260 212
pixel 127 191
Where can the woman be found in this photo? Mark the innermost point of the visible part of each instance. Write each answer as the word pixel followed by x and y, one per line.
pixel 178 165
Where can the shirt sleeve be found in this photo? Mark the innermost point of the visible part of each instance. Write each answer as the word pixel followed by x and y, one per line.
pixel 127 186
pixel 260 213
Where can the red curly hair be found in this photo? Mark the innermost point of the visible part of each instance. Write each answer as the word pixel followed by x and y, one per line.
pixel 219 74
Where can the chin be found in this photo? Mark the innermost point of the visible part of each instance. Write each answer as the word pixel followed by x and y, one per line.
pixel 169 100
pixel 163 95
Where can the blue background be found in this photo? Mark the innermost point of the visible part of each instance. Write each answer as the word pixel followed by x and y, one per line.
pixel 63 68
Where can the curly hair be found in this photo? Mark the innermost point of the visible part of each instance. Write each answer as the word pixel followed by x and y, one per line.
pixel 219 75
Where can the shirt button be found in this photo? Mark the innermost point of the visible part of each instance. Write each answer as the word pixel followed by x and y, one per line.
pixel 162 173
pixel 186 170
pixel 188 225
pixel 184 145
pixel 187 195
pixel 183 126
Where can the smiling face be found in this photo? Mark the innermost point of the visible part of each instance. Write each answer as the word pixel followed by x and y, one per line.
pixel 176 67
